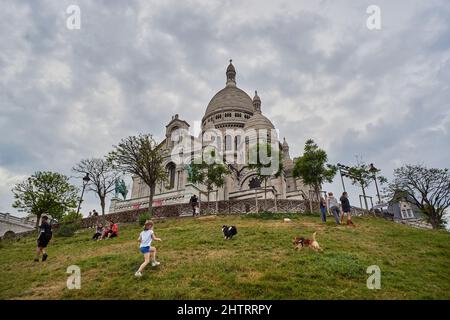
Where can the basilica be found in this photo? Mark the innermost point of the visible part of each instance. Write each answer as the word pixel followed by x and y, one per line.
pixel 231 115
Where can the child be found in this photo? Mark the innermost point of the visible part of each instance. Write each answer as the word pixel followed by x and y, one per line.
pixel 45 234
pixel 145 241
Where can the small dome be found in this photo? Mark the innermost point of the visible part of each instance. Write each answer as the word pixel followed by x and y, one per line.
pixel 258 121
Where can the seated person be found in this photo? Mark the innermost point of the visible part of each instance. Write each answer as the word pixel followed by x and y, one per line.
pixel 105 232
pixel 98 232
pixel 113 230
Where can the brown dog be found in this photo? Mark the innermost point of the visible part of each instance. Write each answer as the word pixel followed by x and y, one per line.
pixel 301 242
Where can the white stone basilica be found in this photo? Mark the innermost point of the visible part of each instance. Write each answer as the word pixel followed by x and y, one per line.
pixel 230 110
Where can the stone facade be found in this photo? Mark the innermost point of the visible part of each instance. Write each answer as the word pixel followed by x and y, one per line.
pixel 232 123
pixel 11 225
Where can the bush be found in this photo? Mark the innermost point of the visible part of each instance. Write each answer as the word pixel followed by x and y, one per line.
pixel 71 216
pixel 143 217
pixel 67 229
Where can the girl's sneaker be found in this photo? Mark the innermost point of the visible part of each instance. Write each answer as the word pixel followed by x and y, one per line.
pixel 138 274
pixel 155 263
pixel 44 257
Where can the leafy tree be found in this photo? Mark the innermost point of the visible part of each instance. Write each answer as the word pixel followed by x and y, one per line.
pixel 429 190
pixel 141 156
pixel 103 177
pixel 363 175
pixel 268 163
pixel 312 167
pixel 209 172
pixel 45 193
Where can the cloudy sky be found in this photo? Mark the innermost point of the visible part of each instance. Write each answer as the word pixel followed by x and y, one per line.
pixel 382 95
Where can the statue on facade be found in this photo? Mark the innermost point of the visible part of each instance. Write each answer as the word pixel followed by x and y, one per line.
pixel 121 188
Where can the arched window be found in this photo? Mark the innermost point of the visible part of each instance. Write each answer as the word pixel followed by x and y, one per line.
pixel 171 170
pixel 254 183
pixel 228 142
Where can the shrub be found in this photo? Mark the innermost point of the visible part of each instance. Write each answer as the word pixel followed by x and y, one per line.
pixel 67 229
pixel 71 216
pixel 143 217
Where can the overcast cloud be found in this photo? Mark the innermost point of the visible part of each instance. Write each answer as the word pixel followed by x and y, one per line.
pixel 70 94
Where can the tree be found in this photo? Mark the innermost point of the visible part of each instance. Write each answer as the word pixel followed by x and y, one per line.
pixel 429 190
pixel 210 173
pixel 141 156
pixel 312 167
pixel 363 175
pixel 45 193
pixel 268 163
pixel 102 174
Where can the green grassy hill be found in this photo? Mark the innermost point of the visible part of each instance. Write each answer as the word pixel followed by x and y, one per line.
pixel 259 263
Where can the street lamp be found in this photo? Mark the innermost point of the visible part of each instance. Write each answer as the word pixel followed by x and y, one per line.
pixel 86 180
pixel 374 171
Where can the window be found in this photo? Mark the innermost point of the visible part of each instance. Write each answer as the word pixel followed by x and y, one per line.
pixel 237 142
pixel 171 173
pixel 410 213
pixel 227 142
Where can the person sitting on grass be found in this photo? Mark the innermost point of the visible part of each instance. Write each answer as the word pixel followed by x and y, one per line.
pixel 98 232
pixel 45 234
pixel 145 245
pixel 112 231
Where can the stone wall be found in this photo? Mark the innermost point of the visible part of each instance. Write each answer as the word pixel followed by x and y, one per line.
pixel 224 207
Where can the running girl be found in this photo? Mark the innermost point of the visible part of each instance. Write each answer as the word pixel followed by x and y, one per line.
pixel 145 240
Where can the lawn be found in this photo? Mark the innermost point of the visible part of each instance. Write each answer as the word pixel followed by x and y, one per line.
pixel 259 263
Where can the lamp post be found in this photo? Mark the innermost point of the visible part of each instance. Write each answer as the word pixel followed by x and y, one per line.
pixel 374 171
pixel 342 167
pixel 86 180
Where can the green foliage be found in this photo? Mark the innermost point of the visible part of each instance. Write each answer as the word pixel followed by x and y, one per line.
pixel 312 166
pixel 45 193
pixel 141 156
pixel 71 216
pixel 362 175
pixel 208 172
pixel 143 217
pixel 67 229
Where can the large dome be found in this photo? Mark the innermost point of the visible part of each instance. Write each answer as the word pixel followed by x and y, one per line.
pixel 231 107
pixel 228 98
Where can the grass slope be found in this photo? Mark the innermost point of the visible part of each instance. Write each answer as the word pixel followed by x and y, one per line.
pixel 259 263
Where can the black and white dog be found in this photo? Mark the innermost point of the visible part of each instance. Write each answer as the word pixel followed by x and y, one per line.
pixel 229 232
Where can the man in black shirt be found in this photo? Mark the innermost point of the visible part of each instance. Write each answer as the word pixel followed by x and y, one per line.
pixel 45 234
pixel 194 202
